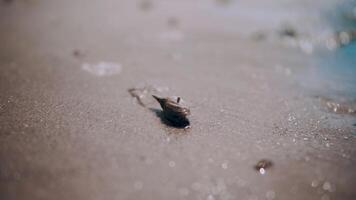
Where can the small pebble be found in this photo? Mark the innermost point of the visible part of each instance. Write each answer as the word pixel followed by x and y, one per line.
pixel 224 165
pixel 78 53
pixel 315 183
pixel 263 165
pixel 328 187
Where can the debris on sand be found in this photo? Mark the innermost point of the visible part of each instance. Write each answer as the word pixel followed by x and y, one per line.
pixel 263 165
pixel 142 93
pixel 338 107
pixel 341 39
pixel 288 31
pixel 138 94
pixel 174 112
pixel 78 53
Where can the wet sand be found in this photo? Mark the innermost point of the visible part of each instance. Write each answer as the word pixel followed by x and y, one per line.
pixel 69 128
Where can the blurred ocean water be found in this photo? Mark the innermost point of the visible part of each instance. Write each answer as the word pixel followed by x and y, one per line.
pixel 316 27
pixel 335 71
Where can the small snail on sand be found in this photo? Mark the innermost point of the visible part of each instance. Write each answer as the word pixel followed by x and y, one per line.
pixel 263 165
pixel 174 112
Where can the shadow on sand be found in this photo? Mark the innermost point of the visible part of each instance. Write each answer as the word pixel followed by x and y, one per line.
pixel 183 124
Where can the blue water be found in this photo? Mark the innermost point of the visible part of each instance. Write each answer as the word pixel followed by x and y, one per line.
pixel 335 74
pixel 332 73
pixel 337 71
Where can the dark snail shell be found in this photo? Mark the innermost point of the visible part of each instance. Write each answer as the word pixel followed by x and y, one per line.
pixel 174 112
pixel 264 163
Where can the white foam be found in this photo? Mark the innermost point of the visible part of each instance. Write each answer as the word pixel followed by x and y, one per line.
pixel 102 68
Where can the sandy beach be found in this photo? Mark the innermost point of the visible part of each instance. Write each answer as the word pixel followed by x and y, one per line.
pixel 69 128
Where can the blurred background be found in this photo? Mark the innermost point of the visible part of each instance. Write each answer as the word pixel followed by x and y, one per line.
pixel 271 86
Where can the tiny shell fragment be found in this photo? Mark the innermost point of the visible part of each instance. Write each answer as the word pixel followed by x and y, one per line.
pixel 263 164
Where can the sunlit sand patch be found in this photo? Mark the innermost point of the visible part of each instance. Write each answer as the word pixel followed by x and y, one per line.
pixel 102 68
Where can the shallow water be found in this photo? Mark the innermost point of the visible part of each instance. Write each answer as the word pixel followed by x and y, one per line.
pixel 328 72
pixel 334 70
pixel 334 73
